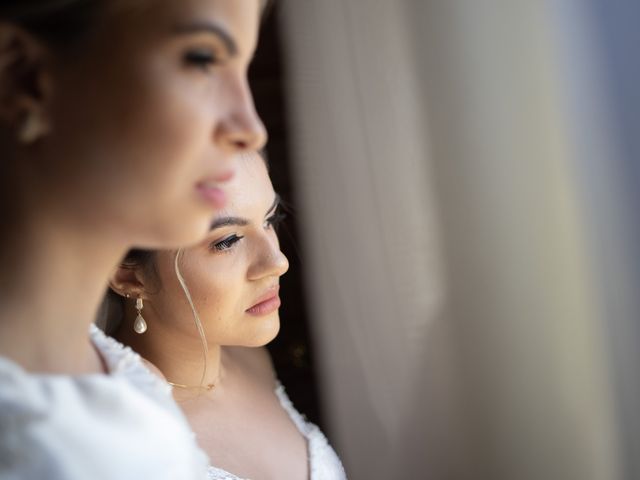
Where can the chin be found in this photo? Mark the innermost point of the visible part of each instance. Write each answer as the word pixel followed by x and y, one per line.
pixel 265 332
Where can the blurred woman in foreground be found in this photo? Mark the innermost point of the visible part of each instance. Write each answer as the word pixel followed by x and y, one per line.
pixel 120 126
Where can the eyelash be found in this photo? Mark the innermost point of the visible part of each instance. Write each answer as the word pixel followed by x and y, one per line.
pixel 202 59
pixel 227 243
pixel 272 222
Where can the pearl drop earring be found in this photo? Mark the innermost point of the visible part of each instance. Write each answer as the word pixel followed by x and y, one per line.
pixel 139 326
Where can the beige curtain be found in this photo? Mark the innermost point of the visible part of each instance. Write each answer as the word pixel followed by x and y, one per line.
pixel 458 324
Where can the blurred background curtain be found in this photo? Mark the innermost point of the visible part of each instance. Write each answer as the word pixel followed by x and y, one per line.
pixel 464 179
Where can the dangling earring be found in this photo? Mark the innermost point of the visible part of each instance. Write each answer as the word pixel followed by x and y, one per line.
pixel 31 129
pixel 140 326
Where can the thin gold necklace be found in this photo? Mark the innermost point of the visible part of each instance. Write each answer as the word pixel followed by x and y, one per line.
pixel 206 388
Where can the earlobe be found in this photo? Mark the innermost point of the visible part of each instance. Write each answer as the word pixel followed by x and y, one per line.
pixel 32 127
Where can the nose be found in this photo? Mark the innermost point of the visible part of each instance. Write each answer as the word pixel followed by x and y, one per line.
pixel 241 130
pixel 269 261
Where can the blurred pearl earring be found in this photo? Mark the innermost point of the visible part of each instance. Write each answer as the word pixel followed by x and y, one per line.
pixel 140 326
pixel 32 128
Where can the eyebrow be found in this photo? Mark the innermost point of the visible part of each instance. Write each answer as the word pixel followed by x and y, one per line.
pixel 274 205
pixel 241 222
pixel 211 28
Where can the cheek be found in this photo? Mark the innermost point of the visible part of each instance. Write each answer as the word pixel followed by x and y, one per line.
pixel 161 135
pixel 168 120
pixel 146 105
pixel 146 137
pixel 218 292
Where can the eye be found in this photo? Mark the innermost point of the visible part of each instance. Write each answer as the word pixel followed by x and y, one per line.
pixel 275 220
pixel 202 58
pixel 227 243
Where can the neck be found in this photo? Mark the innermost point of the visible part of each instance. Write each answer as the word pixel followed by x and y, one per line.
pixel 53 279
pixel 180 357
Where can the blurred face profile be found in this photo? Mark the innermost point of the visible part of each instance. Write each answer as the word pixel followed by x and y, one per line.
pixel 149 117
pixel 233 275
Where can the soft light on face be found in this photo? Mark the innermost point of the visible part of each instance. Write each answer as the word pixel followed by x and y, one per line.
pixel 233 276
pixel 150 123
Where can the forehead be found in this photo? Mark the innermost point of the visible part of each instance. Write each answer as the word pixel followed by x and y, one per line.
pixel 240 17
pixel 250 192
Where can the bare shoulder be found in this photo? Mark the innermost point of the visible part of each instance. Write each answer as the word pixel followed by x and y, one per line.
pixel 257 361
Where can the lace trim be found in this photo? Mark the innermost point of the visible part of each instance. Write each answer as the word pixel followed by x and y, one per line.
pixel 214 473
pixel 124 362
pixel 324 464
pixel 35 408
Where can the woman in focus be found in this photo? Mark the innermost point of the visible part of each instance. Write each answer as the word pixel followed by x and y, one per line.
pixel 202 315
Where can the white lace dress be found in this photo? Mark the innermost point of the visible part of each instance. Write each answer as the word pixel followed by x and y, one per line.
pixel 120 426
pixel 324 464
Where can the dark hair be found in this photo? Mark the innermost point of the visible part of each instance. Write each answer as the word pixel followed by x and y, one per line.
pixel 60 23
pixel 64 23
pixel 138 258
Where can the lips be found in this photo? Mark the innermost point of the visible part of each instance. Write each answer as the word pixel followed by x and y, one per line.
pixel 267 303
pixel 213 195
pixel 211 191
pixel 224 177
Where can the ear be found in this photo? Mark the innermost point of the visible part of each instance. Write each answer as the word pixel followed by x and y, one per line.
pixel 127 281
pixel 25 80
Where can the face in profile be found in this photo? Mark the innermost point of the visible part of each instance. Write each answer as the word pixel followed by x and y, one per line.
pixel 148 118
pixel 232 276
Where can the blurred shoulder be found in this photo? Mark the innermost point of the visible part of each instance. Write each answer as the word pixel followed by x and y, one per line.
pixel 153 369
